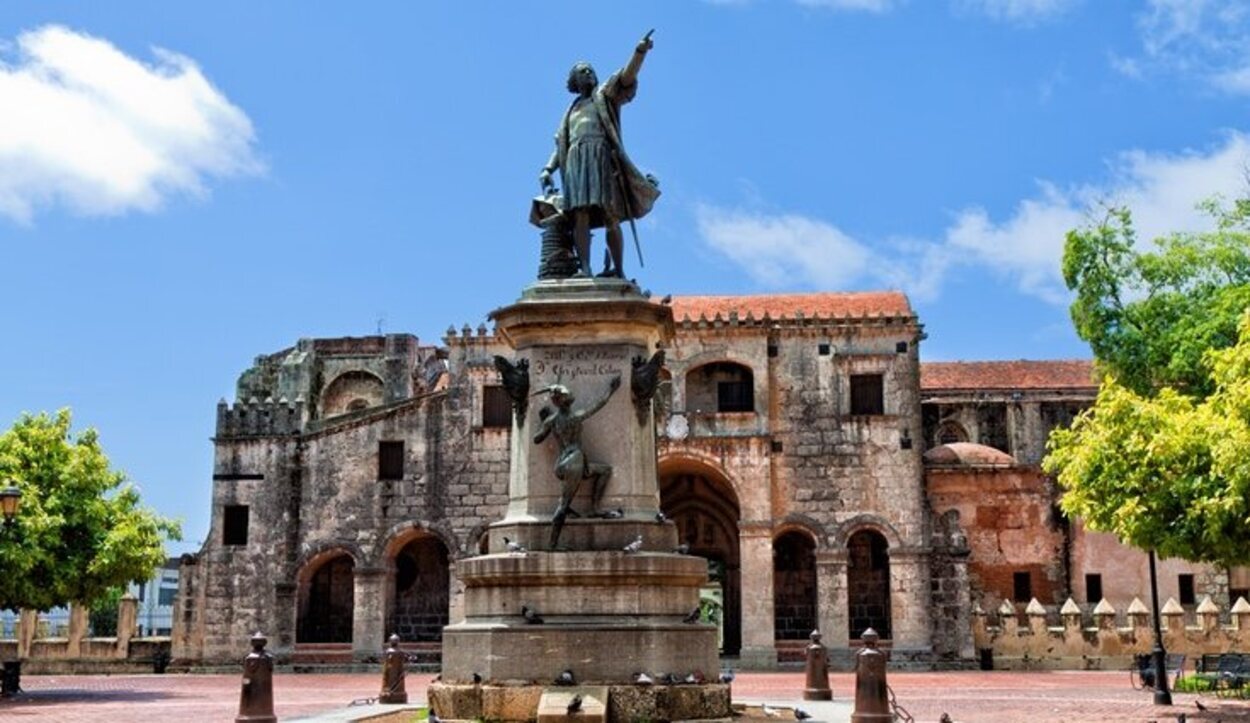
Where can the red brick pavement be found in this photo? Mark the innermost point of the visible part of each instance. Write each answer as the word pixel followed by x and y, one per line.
pixel 969 697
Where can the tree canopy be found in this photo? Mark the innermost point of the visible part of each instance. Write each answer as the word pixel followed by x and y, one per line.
pixel 81 529
pixel 1150 317
pixel 1170 471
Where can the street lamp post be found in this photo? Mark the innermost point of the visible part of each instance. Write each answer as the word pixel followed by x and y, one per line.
pixel 10 499
pixel 1162 695
pixel 10 672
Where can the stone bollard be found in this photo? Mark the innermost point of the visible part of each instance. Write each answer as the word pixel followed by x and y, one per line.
pixel 817 671
pixel 256 696
pixel 872 695
pixel 394 662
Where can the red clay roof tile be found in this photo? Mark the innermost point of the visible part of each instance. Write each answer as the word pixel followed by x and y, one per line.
pixel 785 306
pixel 1021 374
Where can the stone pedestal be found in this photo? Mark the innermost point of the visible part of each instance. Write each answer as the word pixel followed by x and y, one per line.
pixel 607 614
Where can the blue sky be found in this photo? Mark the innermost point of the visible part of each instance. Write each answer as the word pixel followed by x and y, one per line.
pixel 185 187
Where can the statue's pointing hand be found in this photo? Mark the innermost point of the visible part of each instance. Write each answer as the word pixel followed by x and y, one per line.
pixel 544 180
pixel 645 44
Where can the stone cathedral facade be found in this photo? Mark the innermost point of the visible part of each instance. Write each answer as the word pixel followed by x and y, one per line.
pixel 830 478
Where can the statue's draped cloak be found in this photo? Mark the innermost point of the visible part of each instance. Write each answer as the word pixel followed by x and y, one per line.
pixel 590 173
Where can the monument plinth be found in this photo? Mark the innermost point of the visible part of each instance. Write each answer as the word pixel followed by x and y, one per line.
pixel 612 598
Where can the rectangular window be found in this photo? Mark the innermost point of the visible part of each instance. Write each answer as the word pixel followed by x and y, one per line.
pixel 142 588
pixel 867 394
pixel 773 351
pixel 1022 587
pixel 823 349
pixel 734 397
pixel 496 407
pixel 390 460
pixel 901 347
pixel 1093 588
pixel 1238 592
pixel 234 525
pixel 1185 583
pixel 166 596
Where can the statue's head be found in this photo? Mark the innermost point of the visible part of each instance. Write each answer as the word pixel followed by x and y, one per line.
pixel 561 396
pixel 582 78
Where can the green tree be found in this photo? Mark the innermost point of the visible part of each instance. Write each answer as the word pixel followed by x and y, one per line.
pixel 1168 471
pixel 81 530
pixel 1150 317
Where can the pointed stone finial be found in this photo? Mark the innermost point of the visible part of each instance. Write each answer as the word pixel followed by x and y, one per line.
pixel 1104 608
pixel 1007 608
pixel 1137 607
pixel 481 329
pixel 1207 607
pixel 1070 608
pixel 1171 607
pixel 1035 608
pixel 978 610
pixel 1241 607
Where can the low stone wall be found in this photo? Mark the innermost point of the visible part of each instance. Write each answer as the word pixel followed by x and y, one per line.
pixel 75 652
pixel 1032 644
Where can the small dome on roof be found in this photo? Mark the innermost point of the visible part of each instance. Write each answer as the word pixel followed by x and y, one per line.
pixel 967 454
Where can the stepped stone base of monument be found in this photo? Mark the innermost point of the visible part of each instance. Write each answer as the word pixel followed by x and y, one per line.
pixel 623 703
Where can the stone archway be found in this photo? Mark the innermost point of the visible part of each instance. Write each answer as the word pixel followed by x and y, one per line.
pixel 705 509
pixel 419 591
pixel 794 586
pixel 326 600
pixel 868 583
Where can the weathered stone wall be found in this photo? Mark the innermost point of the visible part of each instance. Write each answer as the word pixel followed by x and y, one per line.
pixel 1008 517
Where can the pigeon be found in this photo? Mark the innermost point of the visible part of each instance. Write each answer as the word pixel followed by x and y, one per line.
pixel 616 514
pixel 1182 718
pixel 668 679
pixel 727 675
pixel 514 546
pixel 769 711
pixel 689 679
pixel 697 677
pixel 643 679
pixel 1200 705
pixel 634 546
pixel 434 718
pixel 800 714
pixel 692 617
pixel 575 705
pixel 477 679
pixel 566 678
pixel 682 549
pixel 530 616
pixel 660 517
pixel 668 299
pixel 945 719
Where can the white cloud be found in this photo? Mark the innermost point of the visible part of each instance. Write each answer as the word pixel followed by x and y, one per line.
pixel 872 6
pixel 88 127
pixel 1025 248
pixel 782 249
pixel 1017 11
pixel 1206 39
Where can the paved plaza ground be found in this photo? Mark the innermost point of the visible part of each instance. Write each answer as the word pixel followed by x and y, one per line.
pixel 973 697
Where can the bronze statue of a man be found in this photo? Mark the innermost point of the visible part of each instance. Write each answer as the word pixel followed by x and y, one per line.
pixel 601 186
pixel 572 466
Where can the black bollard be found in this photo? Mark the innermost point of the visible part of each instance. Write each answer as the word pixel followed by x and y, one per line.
pixel 394 662
pixel 817 671
pixel 872 696
pixel 256 696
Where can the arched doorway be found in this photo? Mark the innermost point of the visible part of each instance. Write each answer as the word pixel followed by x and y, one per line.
pixel 326 600
pixel 868 583
pixel 705 509
pixel 420 590
pixel 794 586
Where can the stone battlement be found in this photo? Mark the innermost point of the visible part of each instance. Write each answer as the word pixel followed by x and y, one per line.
pixel 1032 644
pixel 254 418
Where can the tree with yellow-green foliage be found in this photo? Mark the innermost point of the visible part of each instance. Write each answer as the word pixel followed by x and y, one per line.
pixel 81 531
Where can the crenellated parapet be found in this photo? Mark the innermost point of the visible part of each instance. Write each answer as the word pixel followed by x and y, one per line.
pixel 255 418
pixel 1029 641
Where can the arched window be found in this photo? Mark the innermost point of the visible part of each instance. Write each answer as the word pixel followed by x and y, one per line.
pixel 720 387
pixel 950 432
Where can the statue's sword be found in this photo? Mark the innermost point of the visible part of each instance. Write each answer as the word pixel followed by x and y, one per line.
pixel 629 211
